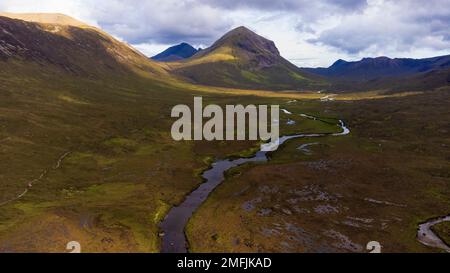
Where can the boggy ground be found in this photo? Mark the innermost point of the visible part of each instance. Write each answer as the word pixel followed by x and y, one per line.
pixel 122 170
pixel 111 170
pixel 86 155
pixel 376 184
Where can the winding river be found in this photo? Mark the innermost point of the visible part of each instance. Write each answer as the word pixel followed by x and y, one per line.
pixel 427 237
pixel 174 224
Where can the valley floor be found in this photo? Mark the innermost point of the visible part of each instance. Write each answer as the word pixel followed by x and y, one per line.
pixel 122 172
pixel 377 184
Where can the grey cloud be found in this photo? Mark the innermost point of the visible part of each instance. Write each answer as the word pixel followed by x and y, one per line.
pixel 288 5
pixel 306 28
pixel 157 21
pixel 350 26
pixel 402 25
pixel 199 21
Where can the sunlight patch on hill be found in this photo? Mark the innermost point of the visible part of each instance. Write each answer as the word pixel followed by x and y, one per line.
pixel 222 54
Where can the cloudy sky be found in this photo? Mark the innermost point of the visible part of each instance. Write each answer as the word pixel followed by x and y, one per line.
pixel 308 33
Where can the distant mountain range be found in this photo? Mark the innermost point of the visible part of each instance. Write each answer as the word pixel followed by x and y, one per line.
pixel 384 72
pixel 240 59
pixel 176 53
pixel 372 68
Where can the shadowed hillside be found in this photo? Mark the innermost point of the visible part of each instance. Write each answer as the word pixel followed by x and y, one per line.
pixel 86 150
pixel 82 118
pixel 70 46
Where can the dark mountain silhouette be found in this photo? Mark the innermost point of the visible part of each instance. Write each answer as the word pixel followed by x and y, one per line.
pixel 373 68
pixel 383 73
pixel 176 53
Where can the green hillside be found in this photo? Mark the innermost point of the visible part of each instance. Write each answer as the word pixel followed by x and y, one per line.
pixel 85 131
pixel 243 59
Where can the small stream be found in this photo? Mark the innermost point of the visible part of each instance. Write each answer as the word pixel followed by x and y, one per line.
pixel 174 224
pixel 427 237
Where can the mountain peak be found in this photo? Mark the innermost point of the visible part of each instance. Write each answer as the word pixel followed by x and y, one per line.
pixel 243 59
pixel 339 62
pixel 176 53
pixel 248 41
pixel 242 30
pixel 45 18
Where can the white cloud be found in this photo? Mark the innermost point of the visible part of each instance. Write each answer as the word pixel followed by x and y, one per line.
pixel 392 28
pixel 75 8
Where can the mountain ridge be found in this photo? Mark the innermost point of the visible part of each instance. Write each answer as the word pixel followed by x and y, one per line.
pixel 378 67
pixel 244 59
pixel 85 51
pixel 45 18
pixel 384 73
pixel 239 59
